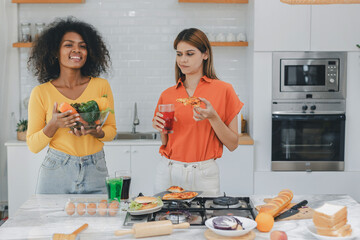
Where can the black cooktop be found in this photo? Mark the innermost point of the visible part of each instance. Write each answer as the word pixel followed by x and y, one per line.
pixel 197 211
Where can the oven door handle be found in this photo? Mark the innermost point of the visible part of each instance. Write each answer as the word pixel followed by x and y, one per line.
pixel 308 145
pixel 307 117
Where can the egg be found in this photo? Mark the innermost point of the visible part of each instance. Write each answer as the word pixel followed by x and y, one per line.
pixel 115 203
pixel 91 208
pixel 104 201
pixel 113 208
pixel 102 208
pixel 70 208
pixel 81 208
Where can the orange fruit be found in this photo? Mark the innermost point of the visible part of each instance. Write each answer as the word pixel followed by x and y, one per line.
pixel 264 222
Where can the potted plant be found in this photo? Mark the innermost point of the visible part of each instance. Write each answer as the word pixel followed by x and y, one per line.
pixel 21 129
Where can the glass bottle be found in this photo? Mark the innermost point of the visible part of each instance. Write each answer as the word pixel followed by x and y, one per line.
pixel 25 32
pixel 39 28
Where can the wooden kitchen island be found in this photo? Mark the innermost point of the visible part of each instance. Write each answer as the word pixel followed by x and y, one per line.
pixel 43 215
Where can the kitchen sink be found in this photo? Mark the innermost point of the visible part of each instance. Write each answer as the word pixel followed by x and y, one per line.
pixel 137 135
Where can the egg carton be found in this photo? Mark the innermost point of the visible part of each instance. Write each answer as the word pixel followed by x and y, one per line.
pixel 92 207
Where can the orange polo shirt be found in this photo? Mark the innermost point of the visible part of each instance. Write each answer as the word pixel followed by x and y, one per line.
pixel 194 141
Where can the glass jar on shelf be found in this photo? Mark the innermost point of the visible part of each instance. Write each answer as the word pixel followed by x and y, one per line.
pixel 25 30
pixel 39 28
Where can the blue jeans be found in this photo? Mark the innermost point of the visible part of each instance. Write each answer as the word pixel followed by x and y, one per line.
pixel 64 173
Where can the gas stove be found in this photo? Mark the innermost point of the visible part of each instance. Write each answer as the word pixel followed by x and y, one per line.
pixel 197 211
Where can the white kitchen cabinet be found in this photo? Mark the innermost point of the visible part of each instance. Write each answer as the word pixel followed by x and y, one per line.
pixel 117 158
pixel 23 167
pixel 352 127
pixel 144 160
pixel 335 27
pixel 237 171
pixel 281 27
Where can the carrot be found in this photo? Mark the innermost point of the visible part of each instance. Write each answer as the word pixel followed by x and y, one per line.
pixel 97 122
pixel 66 107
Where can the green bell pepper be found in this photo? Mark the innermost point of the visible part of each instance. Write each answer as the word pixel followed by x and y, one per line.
pixel 92 109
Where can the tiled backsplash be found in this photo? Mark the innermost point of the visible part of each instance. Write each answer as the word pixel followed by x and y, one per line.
pixel 140 35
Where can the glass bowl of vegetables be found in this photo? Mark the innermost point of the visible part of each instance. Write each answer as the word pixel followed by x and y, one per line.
pixel 92 113
pixel 91 120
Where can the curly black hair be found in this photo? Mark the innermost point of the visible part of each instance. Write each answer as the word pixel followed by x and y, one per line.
pixel 43 60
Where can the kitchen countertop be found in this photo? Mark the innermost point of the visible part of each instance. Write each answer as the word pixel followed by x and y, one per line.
pixel 244 139
pixel 42 215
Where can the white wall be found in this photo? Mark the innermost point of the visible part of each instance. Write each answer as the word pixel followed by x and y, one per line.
pixel 140 34
pixel 9 85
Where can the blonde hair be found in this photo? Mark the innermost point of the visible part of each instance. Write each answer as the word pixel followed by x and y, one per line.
pixel 198 39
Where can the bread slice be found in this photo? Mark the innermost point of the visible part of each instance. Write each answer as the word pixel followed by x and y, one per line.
pixel 329 215
pixel 321 221
pixel 333 227
pixel 331 211
pixel 343 231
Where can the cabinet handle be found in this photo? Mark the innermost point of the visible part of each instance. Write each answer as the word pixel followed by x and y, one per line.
pixel 127 151
pixel 134 151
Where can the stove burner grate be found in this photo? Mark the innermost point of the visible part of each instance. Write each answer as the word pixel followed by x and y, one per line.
pixel 177 217
pixel 226 201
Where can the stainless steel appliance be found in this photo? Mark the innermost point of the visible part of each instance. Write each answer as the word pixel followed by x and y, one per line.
pixel 308 141
pixel 197 211
pixel 308 111
pixel 309 75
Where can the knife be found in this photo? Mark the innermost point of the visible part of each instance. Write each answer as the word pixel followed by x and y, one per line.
pixel 292 211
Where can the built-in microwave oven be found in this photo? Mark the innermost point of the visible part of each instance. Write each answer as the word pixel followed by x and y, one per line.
pixel 309 75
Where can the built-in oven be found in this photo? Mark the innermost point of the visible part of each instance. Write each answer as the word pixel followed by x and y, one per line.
pixel 308 142
pixel 308 135
pixel 309 75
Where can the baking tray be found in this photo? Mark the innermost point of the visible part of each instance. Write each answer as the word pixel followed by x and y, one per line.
pixel 161 194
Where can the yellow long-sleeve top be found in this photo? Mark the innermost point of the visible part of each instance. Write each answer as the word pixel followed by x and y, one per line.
pixel 40 112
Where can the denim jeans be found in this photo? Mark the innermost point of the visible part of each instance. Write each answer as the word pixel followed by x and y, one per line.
pixel 64 173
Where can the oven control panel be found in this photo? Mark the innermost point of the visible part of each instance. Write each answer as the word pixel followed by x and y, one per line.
pixel 308 107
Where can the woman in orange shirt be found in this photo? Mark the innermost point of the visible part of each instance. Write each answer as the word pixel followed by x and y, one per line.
pixel 199 133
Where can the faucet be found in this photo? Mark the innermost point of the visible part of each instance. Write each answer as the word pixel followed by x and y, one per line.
pixel 136 120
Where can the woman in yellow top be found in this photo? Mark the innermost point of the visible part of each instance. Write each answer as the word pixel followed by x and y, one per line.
pixel 67 60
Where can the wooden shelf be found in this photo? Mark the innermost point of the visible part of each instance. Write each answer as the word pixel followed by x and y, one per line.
pixel 230 44
pixel 214 1
pixel 245 139
pixel 22 45
pixel 47 1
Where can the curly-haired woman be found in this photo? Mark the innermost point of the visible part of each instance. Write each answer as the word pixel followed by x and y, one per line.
pixel 67 60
